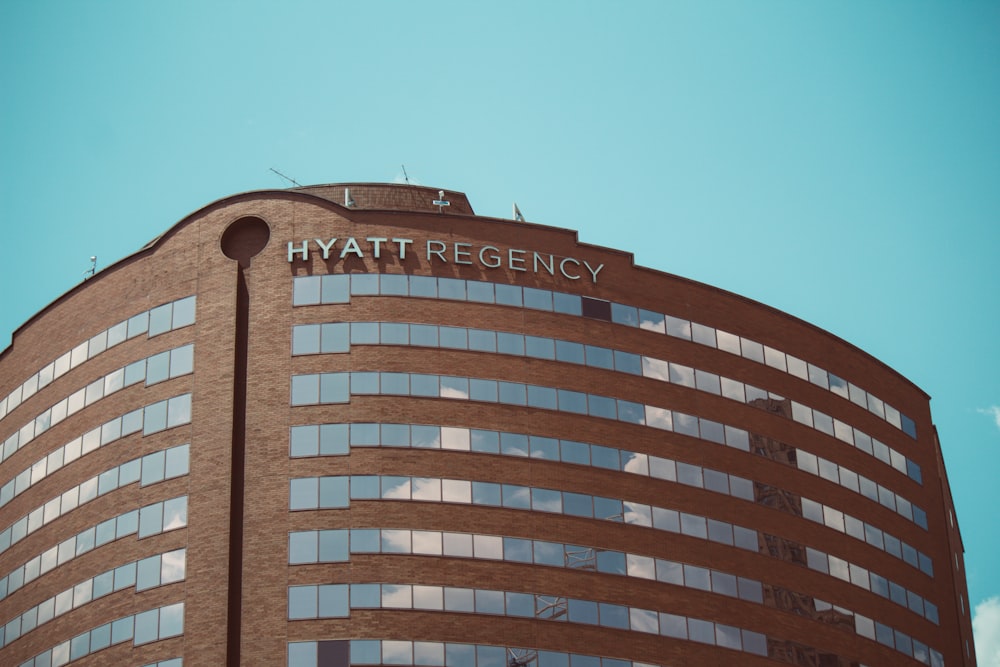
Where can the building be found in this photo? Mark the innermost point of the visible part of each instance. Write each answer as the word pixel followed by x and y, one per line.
pixel 357 424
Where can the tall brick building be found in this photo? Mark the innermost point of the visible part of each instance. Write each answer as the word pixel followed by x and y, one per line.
pixel 359 425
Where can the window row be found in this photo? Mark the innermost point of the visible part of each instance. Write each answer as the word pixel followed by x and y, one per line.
pixel 154 369
pixel 337 439
pixel 338 288
pixel 350 652
pixel 336 546
pixel 847 478
pixel 339 336
pixel 308 493
pixel 153 418
pixel 326 546
pixel 869 581
pixel 325 388
pixel 152 519
pixel 149 469
pixel 141 575
pixel 142 628
pixel 866 532
pixel 173 662
pixel 161 319
pixel 337 601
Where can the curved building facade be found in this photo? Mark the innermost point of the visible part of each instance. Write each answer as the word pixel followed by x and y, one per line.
pixel 360 425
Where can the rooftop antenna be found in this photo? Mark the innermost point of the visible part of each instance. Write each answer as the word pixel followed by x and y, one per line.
pixel 89 273
pixel 441 202
pixel 290 180
pixel 405 177
pixel 517 213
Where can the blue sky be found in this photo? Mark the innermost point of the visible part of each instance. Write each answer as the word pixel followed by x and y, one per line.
pixel 836 160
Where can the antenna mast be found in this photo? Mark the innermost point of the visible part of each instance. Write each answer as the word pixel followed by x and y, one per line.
pixel 405 177
pixel 290 180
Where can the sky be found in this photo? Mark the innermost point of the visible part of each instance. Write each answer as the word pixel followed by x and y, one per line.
pixel 839 161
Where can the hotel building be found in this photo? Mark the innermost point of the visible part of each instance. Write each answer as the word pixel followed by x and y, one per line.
pixel 360 425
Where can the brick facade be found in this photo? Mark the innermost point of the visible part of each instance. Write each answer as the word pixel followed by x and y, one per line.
pixel 189 260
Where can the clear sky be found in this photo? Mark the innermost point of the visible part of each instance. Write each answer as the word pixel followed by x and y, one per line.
pixel 837 160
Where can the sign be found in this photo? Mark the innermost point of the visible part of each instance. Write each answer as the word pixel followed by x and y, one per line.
pixel 447 252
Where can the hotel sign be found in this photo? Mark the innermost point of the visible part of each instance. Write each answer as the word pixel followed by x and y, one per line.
pixel 447 252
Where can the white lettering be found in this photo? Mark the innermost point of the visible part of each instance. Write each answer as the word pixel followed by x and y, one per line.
pixel 325 247
pixel 562 268
pixel 377 242
pixel 548 267
pixel 402 246
pixel 293 251
pixel 351 247
pixel 489 256
pixel 593 271
pixel 511 260
pixel 494 257
pixel 439 252
pixel 460 255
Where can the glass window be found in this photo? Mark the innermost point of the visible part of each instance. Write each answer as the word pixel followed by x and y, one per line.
pixel 583 611
pixel 673 626
pixel 486 493
pixel 364 333
pixel 541 397
pixel 570 304
pixel 428 597
pixel 480 292
pixel 668 520
pixel 622 314
pixel 302 603
pixel 362 284
pixel 701 631
pixel 362 383
pixel 546 500
pixel 453 337
pixel 509 343
pixel 537 298
pixel 159 319
pixel 483 390
pixel 626 362
pixel 651 321
pixel 147 627
pixel 305 389
pixel 541 348
pixel 614 616
pixel 520 604
pixel 424 335
pixel 750 590
pixel 459 599
pixel 508 295
pixel 597 309
pixel 423 286
pixel 454 387
pixel 489 602
pixel 577 504
pixel 482 341
pixel 609 509
pixel 629 412
pixel 451 288
pixel 693 525
pixel 569 352
pixel 572 401
pixel 304 493
pixel 600 357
